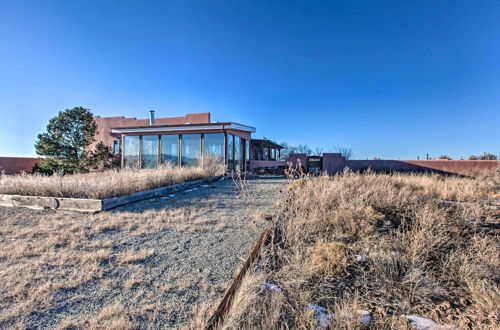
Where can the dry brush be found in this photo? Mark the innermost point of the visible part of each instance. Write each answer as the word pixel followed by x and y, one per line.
pixel 105 184
pixel 379 245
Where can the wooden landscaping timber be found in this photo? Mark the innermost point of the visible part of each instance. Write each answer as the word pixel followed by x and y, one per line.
pixel 32 201
pixel 96 205
pixel 79 204
pixel 112 202
pixel 40 202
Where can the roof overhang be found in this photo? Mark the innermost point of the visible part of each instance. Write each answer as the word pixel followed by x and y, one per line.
pixel 186 127
pixel 267 143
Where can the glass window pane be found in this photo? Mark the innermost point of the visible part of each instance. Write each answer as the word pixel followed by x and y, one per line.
pixel 213 144
pixel 149 151
pixel 237 153
pixel 230 144
pixel 170 148
pixel 247 150
pixel 116 146
pixel 191 148
pixel 131 151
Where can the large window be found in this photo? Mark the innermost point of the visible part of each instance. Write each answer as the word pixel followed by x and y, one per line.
pixel 237 153
pixel 131 151
pixel 191 148
pixel 213 145
pixel 170 148
pixel 230 149
pixel 149 151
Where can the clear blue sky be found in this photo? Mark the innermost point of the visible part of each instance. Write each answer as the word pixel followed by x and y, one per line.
pixel 392 79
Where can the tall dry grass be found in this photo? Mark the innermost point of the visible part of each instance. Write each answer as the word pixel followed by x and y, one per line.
pixel 105 184
pixel 385 244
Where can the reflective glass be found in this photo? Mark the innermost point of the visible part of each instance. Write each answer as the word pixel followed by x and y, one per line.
pixel 191 148
pixel 149 151
pixel 213 144
pixel 131 151
pixel 170 148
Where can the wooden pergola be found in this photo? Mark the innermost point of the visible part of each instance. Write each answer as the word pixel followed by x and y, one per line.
pixel 264 149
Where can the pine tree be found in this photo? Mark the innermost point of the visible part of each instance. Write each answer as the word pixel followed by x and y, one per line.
pixel 66 141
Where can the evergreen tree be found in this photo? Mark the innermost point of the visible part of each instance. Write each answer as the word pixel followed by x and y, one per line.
pixel 66 141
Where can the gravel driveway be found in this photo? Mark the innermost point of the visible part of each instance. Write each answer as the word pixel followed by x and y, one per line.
pixel 160 260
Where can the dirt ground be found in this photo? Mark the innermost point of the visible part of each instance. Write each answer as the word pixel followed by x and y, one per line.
pixel 151 264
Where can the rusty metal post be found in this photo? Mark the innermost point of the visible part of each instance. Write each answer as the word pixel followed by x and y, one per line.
pixel 223 308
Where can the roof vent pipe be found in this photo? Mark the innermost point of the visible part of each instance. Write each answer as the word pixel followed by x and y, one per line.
pixel 151 117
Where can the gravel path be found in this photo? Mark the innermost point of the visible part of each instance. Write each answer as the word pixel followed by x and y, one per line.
pixel 204 237
pixel 204 260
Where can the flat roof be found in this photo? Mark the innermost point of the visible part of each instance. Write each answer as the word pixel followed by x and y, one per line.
pixel 268 142
pixel 184 127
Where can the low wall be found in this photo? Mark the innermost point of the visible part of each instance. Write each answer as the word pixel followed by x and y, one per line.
pixel 334 163
pixel 295 158
pixel 266 163
pixel 464 167
pixel 16 165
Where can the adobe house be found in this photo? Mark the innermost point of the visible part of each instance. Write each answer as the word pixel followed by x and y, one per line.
pixel 144 143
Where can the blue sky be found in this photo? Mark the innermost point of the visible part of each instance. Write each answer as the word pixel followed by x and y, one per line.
pixel 390 79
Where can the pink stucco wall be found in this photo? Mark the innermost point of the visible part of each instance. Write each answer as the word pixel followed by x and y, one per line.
pixel 17 165
pixel 294 158
pixel 334 163
pixel 444 166
pixel 105 124
pixel 266 163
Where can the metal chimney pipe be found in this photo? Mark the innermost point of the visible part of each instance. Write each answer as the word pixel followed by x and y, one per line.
pixel 151 117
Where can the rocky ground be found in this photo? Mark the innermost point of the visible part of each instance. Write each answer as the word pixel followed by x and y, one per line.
pixel 150 264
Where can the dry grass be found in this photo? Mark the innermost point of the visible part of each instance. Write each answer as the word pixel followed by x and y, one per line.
pixel 132 256
pixel 386 244
pixel 146 266
pixel 330 259
pixel 105 184
pixel 44 255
